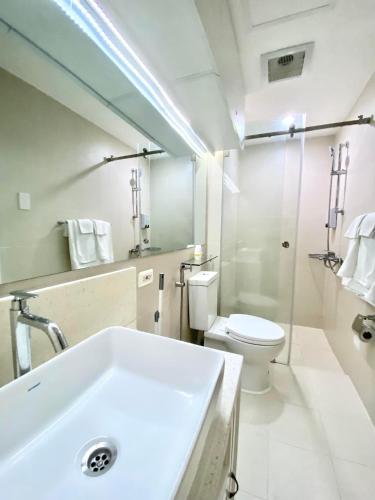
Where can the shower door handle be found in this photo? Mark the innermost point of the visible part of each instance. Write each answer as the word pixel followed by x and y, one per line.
pixel 285 244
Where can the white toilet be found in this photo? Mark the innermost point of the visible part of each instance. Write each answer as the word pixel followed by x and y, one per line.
pixel 257 339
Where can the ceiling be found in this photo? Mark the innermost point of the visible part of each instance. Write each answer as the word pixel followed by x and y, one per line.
pixel 175 41
pixel 208 56
pixel 342 59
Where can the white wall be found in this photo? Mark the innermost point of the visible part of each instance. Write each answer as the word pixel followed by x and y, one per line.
pixel 309 284
pixel 341 306
pixel 56 156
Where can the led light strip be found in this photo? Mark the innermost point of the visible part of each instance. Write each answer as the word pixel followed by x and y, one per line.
pixel 92 20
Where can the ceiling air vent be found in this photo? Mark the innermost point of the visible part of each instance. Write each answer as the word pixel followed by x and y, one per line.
pixel 286 63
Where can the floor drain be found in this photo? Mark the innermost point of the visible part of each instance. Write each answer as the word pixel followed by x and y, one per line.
pixel 98 458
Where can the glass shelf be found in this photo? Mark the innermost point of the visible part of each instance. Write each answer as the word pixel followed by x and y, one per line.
pixel 199 261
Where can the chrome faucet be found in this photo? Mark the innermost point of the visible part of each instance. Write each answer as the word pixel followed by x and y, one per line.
pixel 183 267
pixel 21 323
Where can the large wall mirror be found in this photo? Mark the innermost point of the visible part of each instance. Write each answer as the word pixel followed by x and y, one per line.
pixel 65 107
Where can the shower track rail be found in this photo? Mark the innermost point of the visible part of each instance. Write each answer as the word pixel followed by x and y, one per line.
pixel 368 120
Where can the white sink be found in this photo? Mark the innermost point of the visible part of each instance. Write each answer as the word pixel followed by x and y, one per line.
pixel 149 396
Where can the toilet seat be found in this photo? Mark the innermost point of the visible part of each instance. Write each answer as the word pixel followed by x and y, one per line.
pixel 254 330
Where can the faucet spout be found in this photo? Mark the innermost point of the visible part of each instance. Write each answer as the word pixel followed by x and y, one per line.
pixel 22 323
pixel 53 331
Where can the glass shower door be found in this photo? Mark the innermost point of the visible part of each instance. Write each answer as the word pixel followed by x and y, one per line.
pixel 261 186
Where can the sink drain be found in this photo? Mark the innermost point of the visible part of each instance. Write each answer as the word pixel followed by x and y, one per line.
pixel 98 458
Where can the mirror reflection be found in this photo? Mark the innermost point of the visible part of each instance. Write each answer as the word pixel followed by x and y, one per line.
pixel 63 205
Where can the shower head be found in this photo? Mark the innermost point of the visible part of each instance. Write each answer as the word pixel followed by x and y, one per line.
pixel 332 151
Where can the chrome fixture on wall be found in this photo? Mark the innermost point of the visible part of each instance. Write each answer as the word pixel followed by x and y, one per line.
pixel 330 259
pixel 364 326
pixel 144 154
pixel 21 323
pixel 181 285
pixel 338 173
pixel 134 184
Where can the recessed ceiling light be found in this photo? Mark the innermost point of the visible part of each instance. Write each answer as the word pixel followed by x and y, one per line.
pixel 289 120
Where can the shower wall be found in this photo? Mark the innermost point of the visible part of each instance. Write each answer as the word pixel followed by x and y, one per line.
pixel 251 224
pixel 309 285
pixel 259 212
pixel 341 306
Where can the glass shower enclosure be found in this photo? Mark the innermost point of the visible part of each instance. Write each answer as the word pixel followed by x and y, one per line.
pixel 261 189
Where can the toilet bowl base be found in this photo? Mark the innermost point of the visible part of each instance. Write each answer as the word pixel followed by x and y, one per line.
pixel 255 378
pixel 256 368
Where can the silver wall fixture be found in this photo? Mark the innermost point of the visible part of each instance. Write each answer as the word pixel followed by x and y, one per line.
pixel 144 154
pixel 330 259
pixel 364 326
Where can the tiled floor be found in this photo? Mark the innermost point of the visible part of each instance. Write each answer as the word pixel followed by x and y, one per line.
pixel 309 438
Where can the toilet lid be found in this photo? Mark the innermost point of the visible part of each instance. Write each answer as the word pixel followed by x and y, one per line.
pixel 254 330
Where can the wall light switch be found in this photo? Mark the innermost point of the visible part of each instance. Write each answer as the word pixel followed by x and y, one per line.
pixel 24 201
pixel 145 278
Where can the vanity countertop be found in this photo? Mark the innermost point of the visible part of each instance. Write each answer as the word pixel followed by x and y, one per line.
pixel 208 480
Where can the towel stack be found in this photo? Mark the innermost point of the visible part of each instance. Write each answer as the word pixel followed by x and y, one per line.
pixel 358 269
pixel 90 242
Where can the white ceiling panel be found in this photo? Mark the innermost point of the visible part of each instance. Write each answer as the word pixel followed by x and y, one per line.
pixel 203 99
pixel 269 11
pixel 167 34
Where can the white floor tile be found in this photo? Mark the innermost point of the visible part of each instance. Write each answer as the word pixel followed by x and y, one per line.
pixel 320 359
pixel 356 482
pixel 252 462
pixel 293 386
pixel 335 392
pixel 289 435
pixel 301 427
pixel 260 410
pixel 297 474
pixel 351 437
pixel 310 337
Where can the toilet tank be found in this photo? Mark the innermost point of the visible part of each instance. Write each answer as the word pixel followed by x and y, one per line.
pixel 203 300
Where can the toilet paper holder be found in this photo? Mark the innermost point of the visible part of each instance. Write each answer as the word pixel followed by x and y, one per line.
pixel 364 329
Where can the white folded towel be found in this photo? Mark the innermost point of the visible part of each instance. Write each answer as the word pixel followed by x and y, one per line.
pixel 82 246
pixel 86 226
pixel 349 265
pixel 367 227
pixel 350 262
pixel 358 269
pixel 101 227
pixel 353 229
pixel 103 234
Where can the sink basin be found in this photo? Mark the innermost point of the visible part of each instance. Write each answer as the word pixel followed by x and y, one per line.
pixel 137 401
